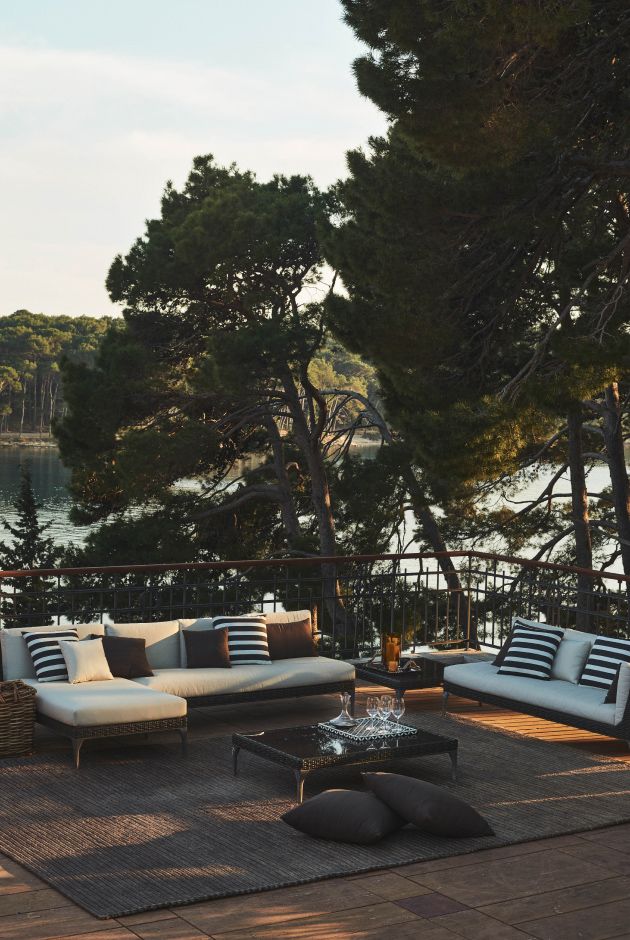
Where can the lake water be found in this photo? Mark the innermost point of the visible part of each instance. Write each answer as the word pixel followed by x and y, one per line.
pixel 50 482
pixel 50 479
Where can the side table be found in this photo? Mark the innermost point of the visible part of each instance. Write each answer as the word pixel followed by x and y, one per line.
pixel 428 674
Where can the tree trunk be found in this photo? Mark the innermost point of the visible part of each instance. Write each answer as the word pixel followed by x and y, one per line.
pixel 432 534
pixel 287 506
pixel 309 442
pixel 579 513
pixel 613 440
pixel 23 405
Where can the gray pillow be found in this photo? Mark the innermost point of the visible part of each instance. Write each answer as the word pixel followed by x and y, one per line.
pixel 344 816
pixel 569 661
pixel 428 807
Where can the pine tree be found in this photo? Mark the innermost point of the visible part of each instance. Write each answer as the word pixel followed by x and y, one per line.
pixel 483 243
pixel 30 602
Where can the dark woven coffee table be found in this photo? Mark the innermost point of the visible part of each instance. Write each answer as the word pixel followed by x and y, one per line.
pixel 428 671
pixel 310 748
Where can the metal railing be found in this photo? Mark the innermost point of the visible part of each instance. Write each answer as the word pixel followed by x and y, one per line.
pixel 448 599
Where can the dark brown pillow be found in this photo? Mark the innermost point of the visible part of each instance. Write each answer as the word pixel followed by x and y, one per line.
pixel 291 640
pixel 428 807
pixel 611 695
pixel 344 816
pixel 207 649
pixel 126 656
pixel 498 659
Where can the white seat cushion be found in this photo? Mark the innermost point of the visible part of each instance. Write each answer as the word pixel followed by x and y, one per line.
pixel 285 673
pixel 16 659
pixel 581 701
pixel 110 702
pixel 161 638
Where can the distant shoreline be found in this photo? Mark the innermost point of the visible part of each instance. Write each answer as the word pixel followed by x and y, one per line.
pixel 28 439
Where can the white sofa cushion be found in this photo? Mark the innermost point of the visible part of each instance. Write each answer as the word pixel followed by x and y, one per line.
pixel 571 634
pixel 285 673
pixel 162 640
pixel 114 701
pixel 578 700
pixel 287 616
pixel 85 661
pixel 569 661
pixel 16 659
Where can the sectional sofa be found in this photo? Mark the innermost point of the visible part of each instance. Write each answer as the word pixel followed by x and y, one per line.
pixel 100 709
pixel 561 698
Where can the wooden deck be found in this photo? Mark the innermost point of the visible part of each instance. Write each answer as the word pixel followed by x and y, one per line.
pixel 563 888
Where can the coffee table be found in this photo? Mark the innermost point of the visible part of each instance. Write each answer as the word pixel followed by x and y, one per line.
pixel 427 674
pixel 309 747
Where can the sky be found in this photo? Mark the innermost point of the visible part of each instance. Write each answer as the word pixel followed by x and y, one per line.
pixel 103 101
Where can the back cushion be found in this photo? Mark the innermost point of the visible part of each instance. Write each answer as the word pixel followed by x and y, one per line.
pixel 16 659
pixel 571 634
pixel 162 640
pixel 287 616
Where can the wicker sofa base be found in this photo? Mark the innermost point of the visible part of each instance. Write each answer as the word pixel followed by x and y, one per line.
pixel 622 730
pixel 235 698
pixel 79 735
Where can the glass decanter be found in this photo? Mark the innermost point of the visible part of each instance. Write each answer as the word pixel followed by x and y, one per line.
pixel 344 719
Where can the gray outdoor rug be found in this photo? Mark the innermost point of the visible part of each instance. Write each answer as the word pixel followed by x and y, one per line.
pixel 142 828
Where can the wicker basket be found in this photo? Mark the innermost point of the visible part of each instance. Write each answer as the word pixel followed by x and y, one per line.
pixel 17 718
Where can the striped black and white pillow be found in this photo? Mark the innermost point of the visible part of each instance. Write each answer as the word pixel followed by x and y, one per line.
pixel 247 639
pixel 531 651
pixel 603 661
pixel 48 661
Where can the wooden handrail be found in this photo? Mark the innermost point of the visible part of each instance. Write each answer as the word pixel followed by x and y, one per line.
pixel 310 560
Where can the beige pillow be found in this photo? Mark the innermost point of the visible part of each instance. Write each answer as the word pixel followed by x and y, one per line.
pixel 85 660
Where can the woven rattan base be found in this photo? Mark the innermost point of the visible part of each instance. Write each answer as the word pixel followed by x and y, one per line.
pixel 622 730
pixel 79 735
pixel 17 718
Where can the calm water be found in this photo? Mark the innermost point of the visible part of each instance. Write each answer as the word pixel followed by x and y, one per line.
pixel 50 479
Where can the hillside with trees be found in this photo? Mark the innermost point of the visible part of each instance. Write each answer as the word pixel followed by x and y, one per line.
pixel 32 346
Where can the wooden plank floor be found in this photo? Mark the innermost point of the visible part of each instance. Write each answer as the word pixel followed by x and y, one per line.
pixel 556 889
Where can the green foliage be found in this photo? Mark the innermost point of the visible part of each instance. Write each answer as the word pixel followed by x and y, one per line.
pixel 218 363
pixel 30 602
pixel 483 242
pixel 31 346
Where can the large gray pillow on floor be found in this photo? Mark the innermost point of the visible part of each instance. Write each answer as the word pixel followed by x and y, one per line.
pixel 428 807
pixel 344 816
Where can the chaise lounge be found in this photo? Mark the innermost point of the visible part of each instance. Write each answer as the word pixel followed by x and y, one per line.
pixel 114 707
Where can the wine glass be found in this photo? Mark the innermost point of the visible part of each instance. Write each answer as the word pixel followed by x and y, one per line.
pixel 385 705
pixel 399 709
pixel 372 710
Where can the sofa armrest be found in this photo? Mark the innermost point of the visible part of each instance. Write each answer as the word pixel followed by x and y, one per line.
pixel 622 703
